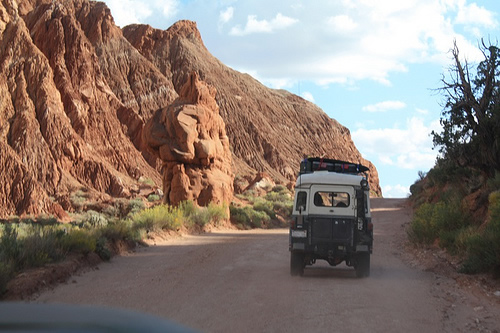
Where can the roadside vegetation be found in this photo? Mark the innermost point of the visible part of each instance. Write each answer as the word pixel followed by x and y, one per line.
pixel 457 203
pixel 268 211
pixel 32 242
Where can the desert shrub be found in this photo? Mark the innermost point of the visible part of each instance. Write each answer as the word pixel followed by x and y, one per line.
pixel 278 197
pixel 124 207
pixel 494 183
pixel 422 230
pixel 280 189
pixel 41 246
pixel 262 205
pixel 187 207
pixel 247 217
pixel 92 219
pixel 9 247
pixel 201 217
pixel 153 197
pixel 111 211
pixel 135 205
pixel 481 254
pixel 158 218
pixel 102 249
pixel 483 248
pixel 78 199
pixel 46 219
pixel 120 230
pixel 6 273
pixel 463 236
pixel 79 241
pixel 443 220
pixel 282 200
pixel 217 213
pixel 247 195
pixel 146 181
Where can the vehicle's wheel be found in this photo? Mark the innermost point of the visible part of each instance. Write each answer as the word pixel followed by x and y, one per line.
pixel 296 264
pixel 363 265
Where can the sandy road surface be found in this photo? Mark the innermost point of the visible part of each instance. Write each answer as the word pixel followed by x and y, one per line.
pixel 234 281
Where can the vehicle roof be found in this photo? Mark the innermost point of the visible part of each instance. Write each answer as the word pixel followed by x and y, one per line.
pixel 327 178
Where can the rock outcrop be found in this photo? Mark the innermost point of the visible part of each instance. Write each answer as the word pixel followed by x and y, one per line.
pixel 189 137
pixel 76 92
pixel 269 130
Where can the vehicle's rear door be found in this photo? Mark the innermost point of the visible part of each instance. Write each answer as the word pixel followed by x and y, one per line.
pixel 332 214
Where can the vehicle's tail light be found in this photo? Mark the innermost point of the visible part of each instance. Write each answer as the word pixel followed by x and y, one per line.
pixel 370 226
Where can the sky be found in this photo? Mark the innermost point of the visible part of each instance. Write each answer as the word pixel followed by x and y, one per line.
pixel 374 66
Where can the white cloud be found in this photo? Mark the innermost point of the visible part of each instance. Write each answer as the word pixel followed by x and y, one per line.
pixel 340 41
pixel 474 15
pixel 408 148
pixel 385 106
pixel 364 39
pixel 308 96
pixel 140 11
pixel 341 23
pixel 422 111
pixel 254 25
pixel 395 191
pixel 126 12
pixel 226 15
pixel 169 8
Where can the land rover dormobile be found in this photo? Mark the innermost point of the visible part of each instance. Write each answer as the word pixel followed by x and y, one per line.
pixel 331 217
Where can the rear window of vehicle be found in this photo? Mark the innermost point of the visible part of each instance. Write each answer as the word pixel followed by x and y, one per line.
pixel 332 199
pixel 301 201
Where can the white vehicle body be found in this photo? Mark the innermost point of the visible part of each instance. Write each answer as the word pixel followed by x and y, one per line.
pixel 331 221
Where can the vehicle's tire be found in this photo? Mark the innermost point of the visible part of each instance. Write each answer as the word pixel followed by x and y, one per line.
pixel 296 264
pixel 363 265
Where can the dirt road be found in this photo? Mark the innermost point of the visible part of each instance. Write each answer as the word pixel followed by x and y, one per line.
pixel 234 281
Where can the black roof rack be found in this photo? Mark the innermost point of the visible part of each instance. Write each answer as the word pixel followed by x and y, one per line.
pixel 311 164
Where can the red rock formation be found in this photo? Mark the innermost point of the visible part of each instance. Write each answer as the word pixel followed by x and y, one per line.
pixel 76 92
pixel 190 138
pixel 61 123
pixel 269 130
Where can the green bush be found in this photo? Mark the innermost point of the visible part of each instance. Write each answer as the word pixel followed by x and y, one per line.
pixel 146 181
pixel 79 241
pixel 120 230
pixel 247 217
pixel 262 205
pixel 92 219
pixel 40 247
pixel 158 218
pixel 153 197
pixel 217 213
pixel 187 207
pixel 201 217
pixel 443 221
pixel 78 199
pixel 102 249
pixel 9 247
pixel 422 230
pixel 483 248
pixel 135 205
pixel 46 220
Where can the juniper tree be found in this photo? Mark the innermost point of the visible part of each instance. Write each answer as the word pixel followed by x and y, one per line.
pixel 471 115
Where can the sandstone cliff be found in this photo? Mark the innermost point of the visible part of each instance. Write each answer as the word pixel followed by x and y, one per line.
pixel 76 92
pixel 269 130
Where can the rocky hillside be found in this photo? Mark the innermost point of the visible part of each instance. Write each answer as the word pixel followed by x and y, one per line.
pixel 76 92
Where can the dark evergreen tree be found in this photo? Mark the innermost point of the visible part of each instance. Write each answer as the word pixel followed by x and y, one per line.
pixel 471 115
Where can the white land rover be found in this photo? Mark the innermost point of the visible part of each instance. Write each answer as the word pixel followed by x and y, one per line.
pixel 331 217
